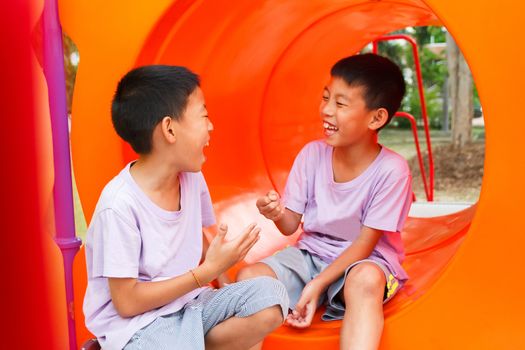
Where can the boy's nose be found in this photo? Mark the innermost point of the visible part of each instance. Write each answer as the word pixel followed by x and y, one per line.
pixel 210 126
pixel 327 110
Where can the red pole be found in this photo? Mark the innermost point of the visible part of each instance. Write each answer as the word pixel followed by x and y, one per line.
pixel 413 125
pixel 28 317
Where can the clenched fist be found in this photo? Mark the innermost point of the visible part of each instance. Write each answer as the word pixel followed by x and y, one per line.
pixel 270 206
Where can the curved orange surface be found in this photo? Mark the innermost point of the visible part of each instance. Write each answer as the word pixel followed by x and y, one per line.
pixel 263 64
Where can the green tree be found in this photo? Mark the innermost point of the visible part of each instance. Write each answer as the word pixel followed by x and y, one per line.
pixel 460 94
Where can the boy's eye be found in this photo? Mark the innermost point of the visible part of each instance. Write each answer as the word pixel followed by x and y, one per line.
pixel 325 98
pixel 339 104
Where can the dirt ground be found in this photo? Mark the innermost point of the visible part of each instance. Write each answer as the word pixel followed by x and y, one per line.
pixel 457 173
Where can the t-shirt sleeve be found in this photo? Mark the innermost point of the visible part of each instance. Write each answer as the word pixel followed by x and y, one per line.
pixel 388 208
pixel 296 190
pixel 208 217
pixel 116 246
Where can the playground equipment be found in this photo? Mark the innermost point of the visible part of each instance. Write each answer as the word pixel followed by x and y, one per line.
pixel 262 64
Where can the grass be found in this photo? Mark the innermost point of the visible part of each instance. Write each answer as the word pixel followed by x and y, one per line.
pixel 402 140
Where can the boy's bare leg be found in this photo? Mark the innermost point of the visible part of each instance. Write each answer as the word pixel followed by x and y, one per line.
pixel 363 294
pixel 255 270
pixel 251 271
pixel 239 333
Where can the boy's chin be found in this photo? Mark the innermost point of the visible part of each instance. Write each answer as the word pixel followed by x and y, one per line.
pixel 339 141
pixel 332 141
pixel 194 169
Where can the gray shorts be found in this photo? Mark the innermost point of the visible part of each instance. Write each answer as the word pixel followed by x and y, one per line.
pixel 296 267
pixel 186 328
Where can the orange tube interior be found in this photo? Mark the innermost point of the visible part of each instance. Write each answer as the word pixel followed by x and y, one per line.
pixel 263 64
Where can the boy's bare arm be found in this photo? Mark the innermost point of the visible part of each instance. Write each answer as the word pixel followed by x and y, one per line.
pixel 132 297
pixel 286 220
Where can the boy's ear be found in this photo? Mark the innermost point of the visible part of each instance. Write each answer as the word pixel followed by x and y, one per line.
pixel 379 119
pixel 167 126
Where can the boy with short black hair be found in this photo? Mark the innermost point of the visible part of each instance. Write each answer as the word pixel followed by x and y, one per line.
pixel 354 196
pixel 146 288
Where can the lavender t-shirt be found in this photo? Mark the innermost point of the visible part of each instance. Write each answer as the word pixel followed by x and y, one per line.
pixel 131 237
pixel 334 213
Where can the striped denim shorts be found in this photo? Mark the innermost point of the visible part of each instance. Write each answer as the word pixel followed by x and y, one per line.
pixel 296 267
pixel 186 328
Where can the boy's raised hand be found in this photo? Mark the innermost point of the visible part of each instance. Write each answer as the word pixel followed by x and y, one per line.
pixel 304 311
pixel 270 206
pixel 222 254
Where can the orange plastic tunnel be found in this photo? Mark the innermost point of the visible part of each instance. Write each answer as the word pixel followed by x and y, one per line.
pixel 263 64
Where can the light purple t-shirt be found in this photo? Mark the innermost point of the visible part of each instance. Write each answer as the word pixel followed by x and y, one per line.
pixel 131 237
pixel 334 213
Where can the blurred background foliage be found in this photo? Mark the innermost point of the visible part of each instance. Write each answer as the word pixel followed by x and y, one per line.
pixel 431 43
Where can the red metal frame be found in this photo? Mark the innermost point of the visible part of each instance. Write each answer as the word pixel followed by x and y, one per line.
pixel 413 126
pixel 429 186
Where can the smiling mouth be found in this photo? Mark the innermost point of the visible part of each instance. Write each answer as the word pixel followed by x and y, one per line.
pixel 327 126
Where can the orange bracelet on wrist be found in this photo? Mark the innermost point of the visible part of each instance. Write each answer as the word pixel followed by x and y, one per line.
pixel 196 279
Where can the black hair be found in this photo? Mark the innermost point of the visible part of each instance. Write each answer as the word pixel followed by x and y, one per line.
pixel 146 95
pixel 381 79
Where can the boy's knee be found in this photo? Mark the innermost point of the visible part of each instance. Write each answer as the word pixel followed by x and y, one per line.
pixel 255 270
pixel 365 280
pixel 245 273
